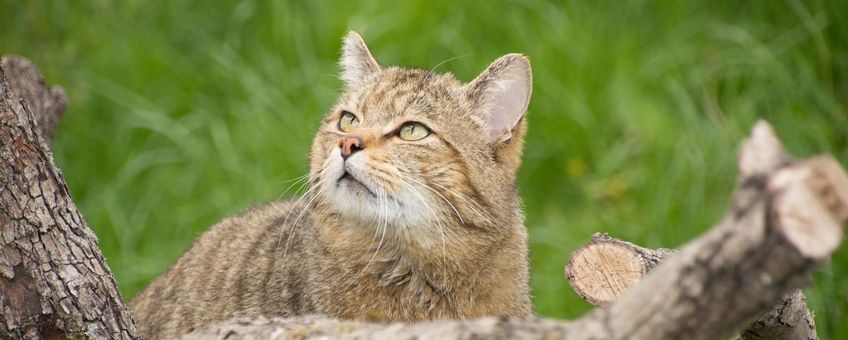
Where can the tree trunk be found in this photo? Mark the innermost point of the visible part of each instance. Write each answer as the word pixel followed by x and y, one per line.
pixel 54 282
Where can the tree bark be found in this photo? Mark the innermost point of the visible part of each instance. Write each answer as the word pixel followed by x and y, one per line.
pixel 319 327
pixel 786 219
pixel 790 319
pixel 47 103
pixel 54 282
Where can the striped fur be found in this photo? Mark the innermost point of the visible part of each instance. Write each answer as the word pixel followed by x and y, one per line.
pixel 399 231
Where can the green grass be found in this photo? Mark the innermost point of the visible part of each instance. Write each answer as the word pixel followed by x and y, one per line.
pixel 183 112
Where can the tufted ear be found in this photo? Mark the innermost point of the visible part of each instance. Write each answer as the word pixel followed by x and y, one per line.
pixel 502 93
pixel 356 61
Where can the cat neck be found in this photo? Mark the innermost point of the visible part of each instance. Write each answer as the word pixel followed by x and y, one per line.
pixel 405 279
pixel 394 254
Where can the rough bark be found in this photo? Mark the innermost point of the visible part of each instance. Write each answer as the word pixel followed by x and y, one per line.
pixel 791 319
pixel 786 219
pixel 606 268
pixel 47 103
pixel 54 282
pixel 318 327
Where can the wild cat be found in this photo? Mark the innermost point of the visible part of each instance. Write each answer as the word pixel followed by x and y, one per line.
pixel 412 212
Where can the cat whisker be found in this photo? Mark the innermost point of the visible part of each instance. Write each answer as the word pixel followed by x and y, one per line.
pixel 383 226
pixel 472 204
pixel 440 195
pixel 432 71
pixel 304 210
pixel 376 226
pixel 374 238
pixel 312 196
pixel 433 214
pixel 296 178
pixel 288 214
pixel 301 179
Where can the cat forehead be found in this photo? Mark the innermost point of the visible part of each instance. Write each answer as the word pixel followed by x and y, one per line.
pixel 398 91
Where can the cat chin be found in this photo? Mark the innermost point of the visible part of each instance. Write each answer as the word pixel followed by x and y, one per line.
pixel 354 200
pixel 356 196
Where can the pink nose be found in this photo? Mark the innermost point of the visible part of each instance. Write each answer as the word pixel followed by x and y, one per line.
pixel 349 145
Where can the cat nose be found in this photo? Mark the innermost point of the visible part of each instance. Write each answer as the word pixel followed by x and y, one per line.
pixel 350 144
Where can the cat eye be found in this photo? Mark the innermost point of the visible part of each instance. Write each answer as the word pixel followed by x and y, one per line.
pixel 348 121
pixel 413 131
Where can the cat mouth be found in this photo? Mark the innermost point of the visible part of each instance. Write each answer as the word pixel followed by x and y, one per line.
pixel 347 179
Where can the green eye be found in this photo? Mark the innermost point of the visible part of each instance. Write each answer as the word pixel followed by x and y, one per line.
pixel 413 131
pixel 348 121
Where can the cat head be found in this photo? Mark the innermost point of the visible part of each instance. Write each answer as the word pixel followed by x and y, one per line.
pixel 418 155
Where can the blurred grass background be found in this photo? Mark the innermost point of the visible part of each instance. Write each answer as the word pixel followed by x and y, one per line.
pixel 183 112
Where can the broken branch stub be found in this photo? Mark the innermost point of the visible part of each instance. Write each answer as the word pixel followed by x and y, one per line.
pixel 788 320
pixel 605 268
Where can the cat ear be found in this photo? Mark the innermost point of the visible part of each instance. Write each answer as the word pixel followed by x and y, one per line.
pixel 356 61
pixel 502 93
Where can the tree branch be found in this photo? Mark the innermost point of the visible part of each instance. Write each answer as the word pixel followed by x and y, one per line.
pixel 785 220
pixel 605 268
pixel 319 327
